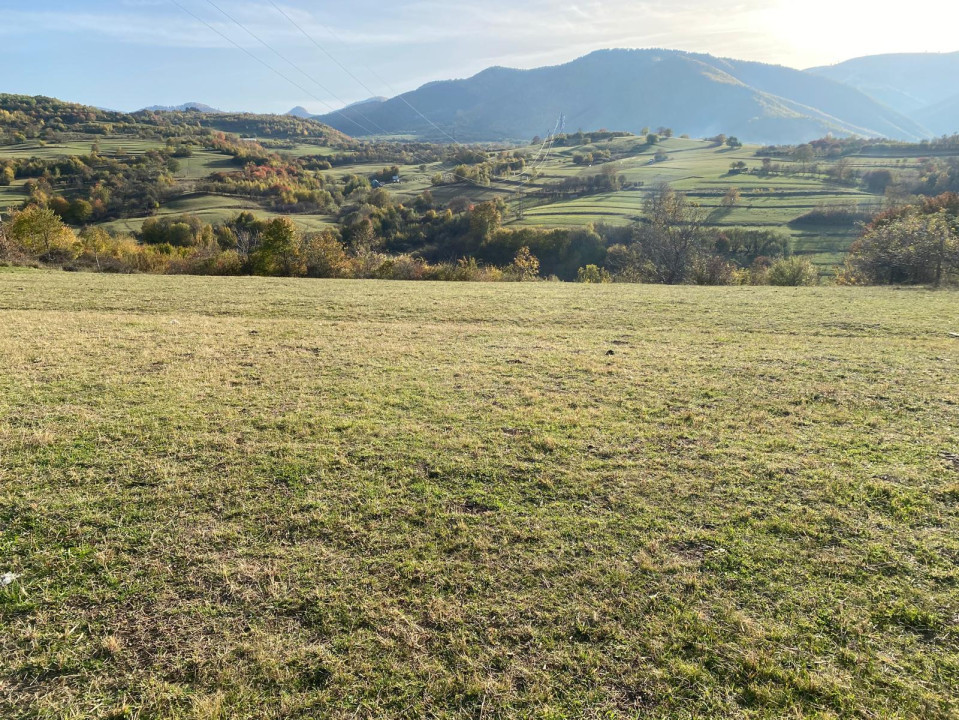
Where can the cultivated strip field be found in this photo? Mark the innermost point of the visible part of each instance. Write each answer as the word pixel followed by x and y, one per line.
pixel 697 167
pixel 266 498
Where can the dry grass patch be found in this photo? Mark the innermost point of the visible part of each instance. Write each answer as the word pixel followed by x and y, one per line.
pixel 260 498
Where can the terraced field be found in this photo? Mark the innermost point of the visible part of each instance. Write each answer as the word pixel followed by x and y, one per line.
pixel 695 167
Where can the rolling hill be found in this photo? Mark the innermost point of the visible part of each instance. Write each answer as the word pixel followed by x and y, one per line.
pixel 629 90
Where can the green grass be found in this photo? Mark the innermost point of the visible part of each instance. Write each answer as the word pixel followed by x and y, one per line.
pixel 108 146
pixel 267 498
pixel 12 196
pixel 204 163
pixel 701 170
pixel 217 209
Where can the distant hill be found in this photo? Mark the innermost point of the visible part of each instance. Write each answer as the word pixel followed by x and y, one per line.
pixel 632 89
pixel 908 82
pixel 300 112
pixel 197 107
pixel 942 118
pixel 25 117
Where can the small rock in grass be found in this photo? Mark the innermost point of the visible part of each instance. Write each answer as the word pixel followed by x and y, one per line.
pixel 7 579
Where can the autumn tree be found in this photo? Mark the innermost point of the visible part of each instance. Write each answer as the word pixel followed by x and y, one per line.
pixel 279 251
pixel 94 242
pixel 672 235
pixel 876 181
pixel 593 274
pixel 843 169
pixel 38 231
pixel 731 198
pixel 485 219
pixel 792 272
pixel 525 265
pixel 324 255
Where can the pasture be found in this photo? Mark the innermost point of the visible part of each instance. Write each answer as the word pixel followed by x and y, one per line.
pixel 268 498
pixel 213 208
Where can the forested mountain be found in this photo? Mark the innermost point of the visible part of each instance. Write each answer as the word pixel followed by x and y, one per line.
pixel 629 90
pixel 911 83
pixel 23 117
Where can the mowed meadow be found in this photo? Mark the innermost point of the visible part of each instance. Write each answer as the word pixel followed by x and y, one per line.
pixel 269 498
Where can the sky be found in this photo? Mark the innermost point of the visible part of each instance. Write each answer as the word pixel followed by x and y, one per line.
pixel 272 55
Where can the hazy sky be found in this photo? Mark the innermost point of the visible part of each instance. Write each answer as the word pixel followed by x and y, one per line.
pixel 125 54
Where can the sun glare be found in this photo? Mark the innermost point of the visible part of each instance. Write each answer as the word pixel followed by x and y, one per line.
pixel 828 31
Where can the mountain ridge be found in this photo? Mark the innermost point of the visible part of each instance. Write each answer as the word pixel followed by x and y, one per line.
pixel 906 82
pixel 630 89
pixel 185 107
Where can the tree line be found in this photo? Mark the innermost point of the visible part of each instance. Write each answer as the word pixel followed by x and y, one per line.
pixel 911 244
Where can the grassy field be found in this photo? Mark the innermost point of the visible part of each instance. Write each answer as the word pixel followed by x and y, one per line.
pixel 109 145
pixel 217 209
pixel 266 498
pixel 701 170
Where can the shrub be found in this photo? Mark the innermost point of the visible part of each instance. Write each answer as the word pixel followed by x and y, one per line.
pixel 913 248
pixel 713 270
pixel 792 272
pixel 593 274
pixel 525 266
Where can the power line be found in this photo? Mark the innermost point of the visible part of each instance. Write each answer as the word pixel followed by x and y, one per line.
pixel 298 69
pixel 263 62
pixel 309 77
pixel 358 80
pixel 292 65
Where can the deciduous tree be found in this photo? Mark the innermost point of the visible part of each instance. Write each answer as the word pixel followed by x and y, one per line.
pixel 672 235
